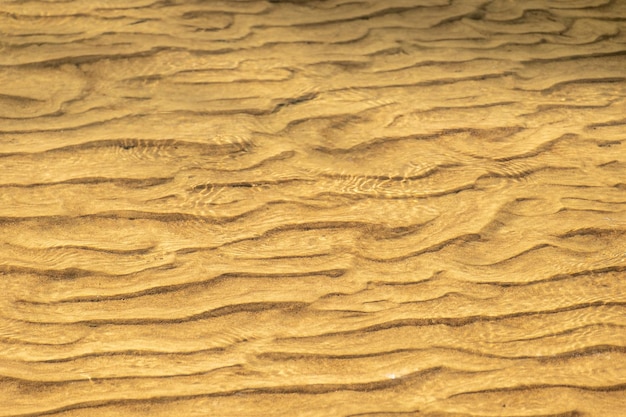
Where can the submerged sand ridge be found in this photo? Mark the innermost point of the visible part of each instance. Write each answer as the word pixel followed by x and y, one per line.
pixel 313 208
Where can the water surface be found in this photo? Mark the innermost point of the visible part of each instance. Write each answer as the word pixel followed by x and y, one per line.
pixel 313 208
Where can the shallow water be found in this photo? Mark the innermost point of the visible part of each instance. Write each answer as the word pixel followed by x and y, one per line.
pixel 320 208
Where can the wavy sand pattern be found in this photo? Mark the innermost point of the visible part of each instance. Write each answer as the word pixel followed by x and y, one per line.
pixel 313 208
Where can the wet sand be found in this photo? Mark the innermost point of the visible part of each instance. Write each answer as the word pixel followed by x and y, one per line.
pixel 313 208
